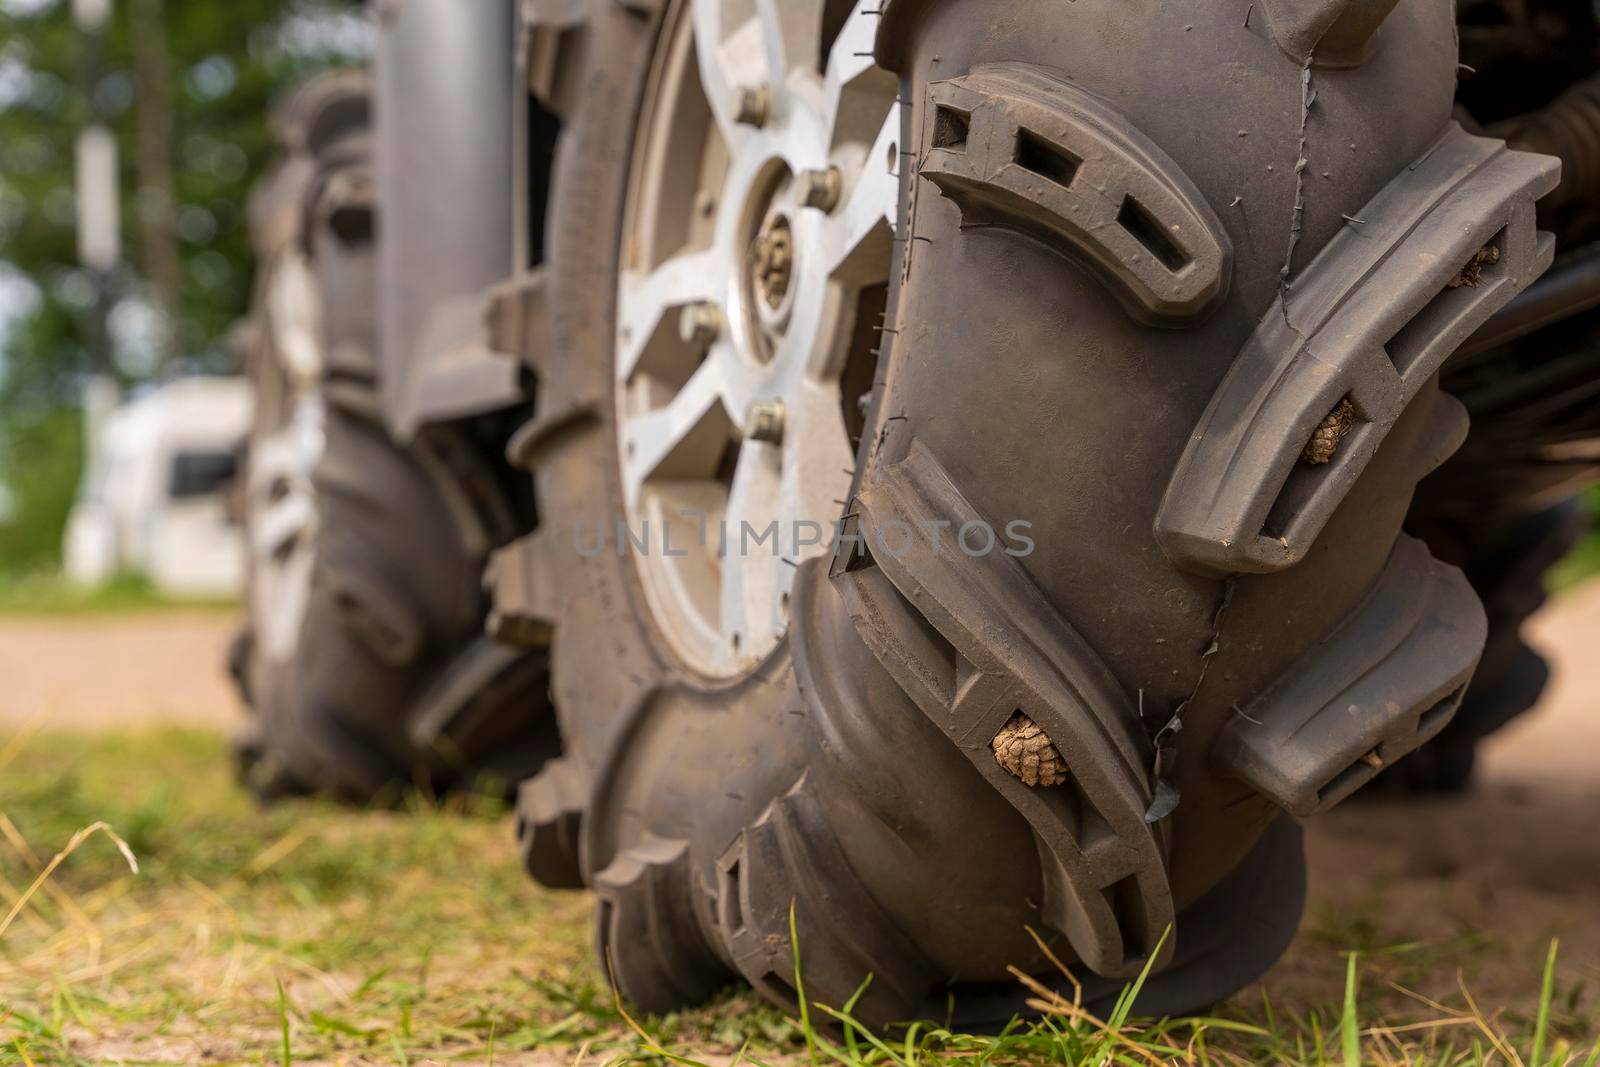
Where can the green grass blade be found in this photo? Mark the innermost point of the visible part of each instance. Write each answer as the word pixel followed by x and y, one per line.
pixel 1124 1008
pixel 873 1039
pixel 283 1022
pixel 850 1009
pixel 800 990
pixel 1349 1028
pixel 1541 1026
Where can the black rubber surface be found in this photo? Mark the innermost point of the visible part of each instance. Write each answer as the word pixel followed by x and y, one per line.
pixel 392 684
pixel 1245 239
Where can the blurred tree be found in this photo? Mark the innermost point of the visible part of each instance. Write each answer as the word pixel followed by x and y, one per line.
pixel 223 64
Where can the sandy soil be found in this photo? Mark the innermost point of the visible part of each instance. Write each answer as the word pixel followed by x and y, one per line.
pixel 1492 876
pixel 107 671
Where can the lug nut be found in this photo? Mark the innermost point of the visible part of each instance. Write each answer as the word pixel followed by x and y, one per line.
pixel 764 422
pixel 751 107
pixel 820 189
pixel 699 324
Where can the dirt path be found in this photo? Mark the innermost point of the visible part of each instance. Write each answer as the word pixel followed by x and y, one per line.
pixel 89 672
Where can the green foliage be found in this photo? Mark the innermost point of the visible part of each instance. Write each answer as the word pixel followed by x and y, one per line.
pixel 41 441
pixel 43 453
pixel 1583 562
pixel 227 64
pixel 47 592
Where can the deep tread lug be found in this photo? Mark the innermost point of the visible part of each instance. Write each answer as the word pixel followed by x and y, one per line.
pixel 1371 319
pixel 559 421
pixel 1330 34
pixel 1006 649
pixel 456 706
pixel 1015 147
pixel 516 318
pixel 554 52
pixel 549 824
pixel 647 936
pixel 790 858
pixel 525 590
pixel 1386 680
pixel 373 612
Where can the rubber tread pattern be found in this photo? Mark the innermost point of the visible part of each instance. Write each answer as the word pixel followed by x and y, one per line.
pixel 790 858
pixel 645 934
pixel 1388 679
pixel 1013 146
pixel 1106 885
pixel 1371 319
pixel 549 824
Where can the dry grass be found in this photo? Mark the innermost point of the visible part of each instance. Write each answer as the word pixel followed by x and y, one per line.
pixel 313 934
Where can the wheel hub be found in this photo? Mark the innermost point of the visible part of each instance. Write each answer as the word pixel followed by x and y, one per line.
pixel 765 189
pixel 772 261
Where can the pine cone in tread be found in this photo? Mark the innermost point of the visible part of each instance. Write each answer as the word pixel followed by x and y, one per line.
pixel 1340 421
pixel 1024 749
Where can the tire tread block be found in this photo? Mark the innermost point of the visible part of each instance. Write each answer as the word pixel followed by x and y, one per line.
pixel 1013 146
pixel 1371 319
pixel 988 644
pixel 789 857
pixel 550 808
pixel 524 586
pixel 1386 680
pixel 1327 33
pixel 647 935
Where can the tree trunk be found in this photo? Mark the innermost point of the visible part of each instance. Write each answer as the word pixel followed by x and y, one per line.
pixel 157 193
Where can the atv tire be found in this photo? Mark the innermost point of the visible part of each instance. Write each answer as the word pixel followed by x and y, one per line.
pixel 365 660
pixel 1171 287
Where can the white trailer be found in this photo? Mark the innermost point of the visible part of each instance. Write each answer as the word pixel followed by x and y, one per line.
pixel 154 495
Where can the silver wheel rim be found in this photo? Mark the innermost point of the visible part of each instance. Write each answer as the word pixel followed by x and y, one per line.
pixel 282 502
pixel 762 212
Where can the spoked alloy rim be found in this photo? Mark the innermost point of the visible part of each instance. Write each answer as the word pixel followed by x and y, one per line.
pixel 757 248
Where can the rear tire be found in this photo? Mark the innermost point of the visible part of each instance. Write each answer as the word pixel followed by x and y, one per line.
pixel 364 660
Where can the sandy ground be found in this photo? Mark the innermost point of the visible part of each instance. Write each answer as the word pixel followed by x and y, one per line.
pixel 1495 874
pixel 107 671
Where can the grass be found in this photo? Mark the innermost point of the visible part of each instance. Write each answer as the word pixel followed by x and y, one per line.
pixel 1583 562
pixel 311 934
pixel 48 593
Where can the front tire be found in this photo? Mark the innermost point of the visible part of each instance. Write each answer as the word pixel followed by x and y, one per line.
pixel 1090 294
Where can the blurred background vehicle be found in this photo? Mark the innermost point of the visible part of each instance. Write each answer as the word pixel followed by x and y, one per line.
pixel 154 496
